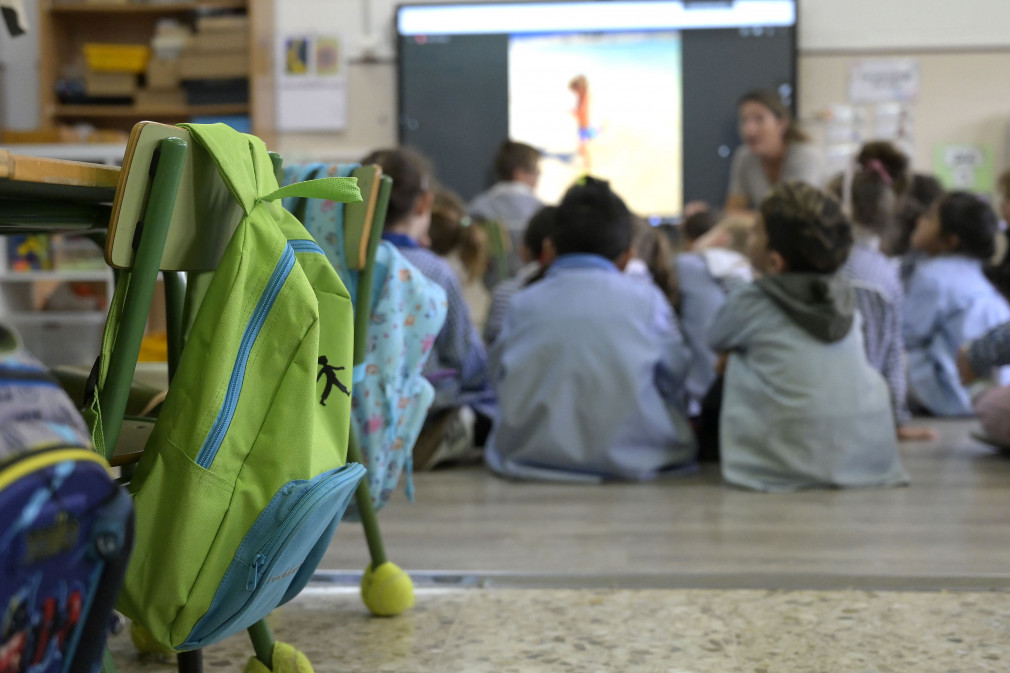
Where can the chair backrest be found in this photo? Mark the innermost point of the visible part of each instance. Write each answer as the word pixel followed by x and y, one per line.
pixel 359 218
pixel 362 231
pixel 202 197
pixel 390 346
pixel 499 245
pixel 371 234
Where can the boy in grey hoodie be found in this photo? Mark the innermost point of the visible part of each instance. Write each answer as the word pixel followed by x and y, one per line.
pixel 802 407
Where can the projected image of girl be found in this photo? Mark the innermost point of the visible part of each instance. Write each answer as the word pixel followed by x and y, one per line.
pixel 580 87
pixel 609 104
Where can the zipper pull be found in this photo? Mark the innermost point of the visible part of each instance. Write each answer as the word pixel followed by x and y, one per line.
pixel 255 570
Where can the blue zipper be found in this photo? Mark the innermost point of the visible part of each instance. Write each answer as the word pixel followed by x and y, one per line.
pixel 308 500
pixel 306 246
pixel 217 432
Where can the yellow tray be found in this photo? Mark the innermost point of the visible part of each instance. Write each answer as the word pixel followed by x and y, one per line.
pixel 117 57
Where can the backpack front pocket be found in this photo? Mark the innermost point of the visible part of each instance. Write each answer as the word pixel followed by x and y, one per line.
pixel 270 558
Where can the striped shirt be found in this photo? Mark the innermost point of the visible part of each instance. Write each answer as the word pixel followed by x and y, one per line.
pixel 878 298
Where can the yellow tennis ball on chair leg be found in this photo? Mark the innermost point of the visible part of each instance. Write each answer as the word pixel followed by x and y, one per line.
pixel 387 590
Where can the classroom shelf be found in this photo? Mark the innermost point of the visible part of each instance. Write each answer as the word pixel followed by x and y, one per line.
pixel 141 7
pixel 134 111
pixel 81 275
pixel 64 28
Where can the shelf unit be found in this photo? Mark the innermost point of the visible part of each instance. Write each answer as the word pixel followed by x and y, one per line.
pixel 141 7
pixel 65 26
pixel 147 113
pixel 56 337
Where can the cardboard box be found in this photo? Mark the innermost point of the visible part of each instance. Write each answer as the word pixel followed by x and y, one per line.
pixel 224 40
pixel 163 73
pixel 160 98
pixel 218 65
pixel 102 84
pixel 222 22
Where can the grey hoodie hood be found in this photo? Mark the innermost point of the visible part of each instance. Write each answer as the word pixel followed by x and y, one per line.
pixel 823 305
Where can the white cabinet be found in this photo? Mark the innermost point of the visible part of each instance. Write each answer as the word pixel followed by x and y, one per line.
pixel 60 314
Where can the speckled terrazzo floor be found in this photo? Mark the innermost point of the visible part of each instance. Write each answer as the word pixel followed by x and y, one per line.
pixel 670 631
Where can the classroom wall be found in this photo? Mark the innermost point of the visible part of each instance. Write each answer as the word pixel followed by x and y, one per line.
pixel 824 24
pixel 963 49
pixel 963 98
pixel 853 25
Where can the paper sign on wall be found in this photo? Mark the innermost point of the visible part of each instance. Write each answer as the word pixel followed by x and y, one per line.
pixel 884 80
pixel 312 83
pixel 967 167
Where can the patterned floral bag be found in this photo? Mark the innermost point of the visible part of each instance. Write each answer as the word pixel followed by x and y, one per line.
pixel 389 396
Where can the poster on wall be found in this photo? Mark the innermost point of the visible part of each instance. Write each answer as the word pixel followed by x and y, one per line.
pixel 884 80
pixel 880 106
pixel 311 83
pixel 968 167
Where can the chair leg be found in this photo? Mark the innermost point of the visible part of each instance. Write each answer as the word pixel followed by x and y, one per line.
pixel 263 642
pixel 366 511
pixel 190 662
pixel 385 589
pixel 108 666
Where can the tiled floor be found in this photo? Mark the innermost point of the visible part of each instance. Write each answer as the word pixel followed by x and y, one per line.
pixel 950 523
pixel 683 576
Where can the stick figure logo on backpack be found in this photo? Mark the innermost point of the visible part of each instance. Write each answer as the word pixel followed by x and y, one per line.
pixel 331 379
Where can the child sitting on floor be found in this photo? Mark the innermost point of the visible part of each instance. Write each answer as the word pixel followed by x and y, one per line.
pixel 457 240
pixel 949 301
pixel 879 295
pixel 589 366
pixel 976 361
pixel 706 272
pixel 512 200
pixel 802 407
pixel 537 253
pixel 457 367
pixel 651 259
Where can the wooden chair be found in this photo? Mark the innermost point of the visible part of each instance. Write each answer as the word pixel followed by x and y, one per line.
pixel 363 225
pixel 166 195
pixel 499 245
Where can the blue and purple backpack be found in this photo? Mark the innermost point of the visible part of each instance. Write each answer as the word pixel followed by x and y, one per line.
pixel 66 527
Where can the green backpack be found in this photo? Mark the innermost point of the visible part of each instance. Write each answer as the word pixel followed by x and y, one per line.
pixel 243 479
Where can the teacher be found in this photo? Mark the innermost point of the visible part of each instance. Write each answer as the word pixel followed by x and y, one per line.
pixel 775 150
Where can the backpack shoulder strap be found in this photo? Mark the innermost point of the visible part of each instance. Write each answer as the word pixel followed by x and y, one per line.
pixel 299 173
